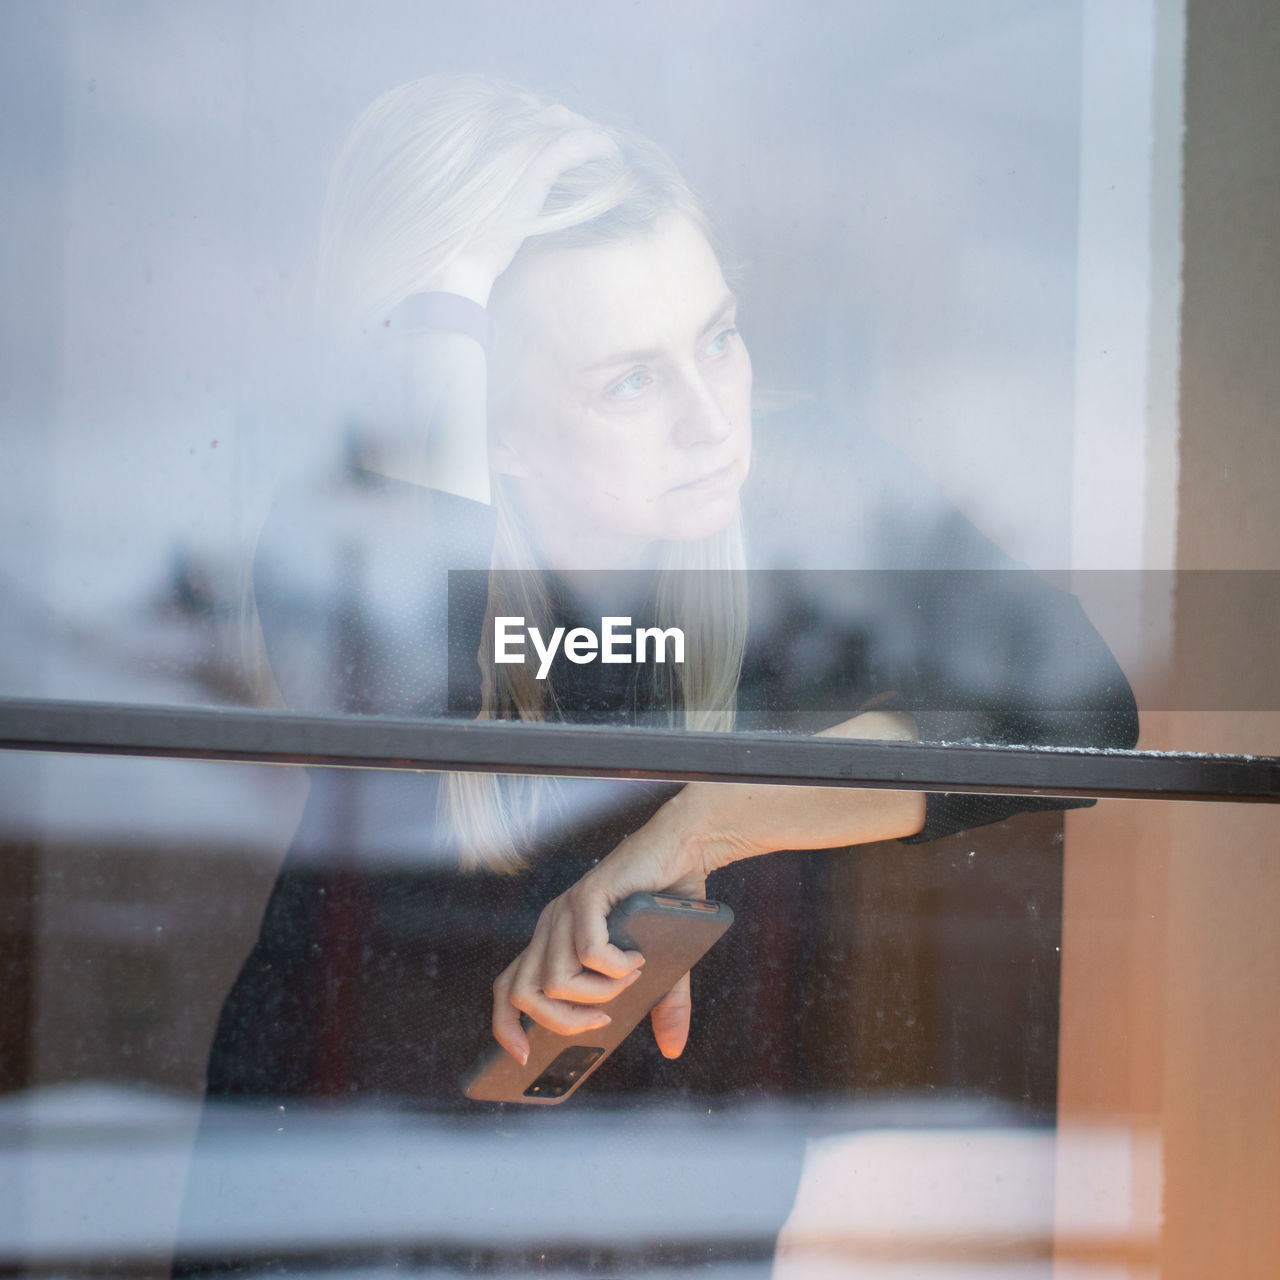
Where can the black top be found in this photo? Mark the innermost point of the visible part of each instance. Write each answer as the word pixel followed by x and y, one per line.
pixel 893 599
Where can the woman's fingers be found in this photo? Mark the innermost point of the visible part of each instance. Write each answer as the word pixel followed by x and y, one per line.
pixel 576 141
pixel 565 152
pixel 570 968
pixel 557 1015
pixel 588 988
pixel 507 1028
pixel 552 974
pixel 550 981
pixel 515 992
pixel 489 252
pixel 589 936
pixel 670 1018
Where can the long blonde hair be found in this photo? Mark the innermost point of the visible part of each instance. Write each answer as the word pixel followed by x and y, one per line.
pixel 424 168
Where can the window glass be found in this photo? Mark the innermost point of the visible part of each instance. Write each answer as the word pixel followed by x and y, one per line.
pixel 883 371
pixel 953 1056
pixel 954 242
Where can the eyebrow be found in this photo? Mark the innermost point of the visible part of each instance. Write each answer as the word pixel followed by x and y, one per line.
pixel 653 353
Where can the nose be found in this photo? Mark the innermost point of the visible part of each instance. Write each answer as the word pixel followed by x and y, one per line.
pixel 701 415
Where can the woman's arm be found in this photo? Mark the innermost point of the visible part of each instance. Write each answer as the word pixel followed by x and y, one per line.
pixel 449 409
pixel 570 966
pixel 448 371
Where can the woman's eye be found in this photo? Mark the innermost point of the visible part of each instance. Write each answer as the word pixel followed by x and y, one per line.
pixel 718 344
pixel 631 385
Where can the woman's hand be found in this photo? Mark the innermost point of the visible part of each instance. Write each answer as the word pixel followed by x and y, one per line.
pixel 570 968
pixel 449 398
pixel 572 141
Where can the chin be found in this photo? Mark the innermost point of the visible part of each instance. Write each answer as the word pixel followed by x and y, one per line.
pixel 708 520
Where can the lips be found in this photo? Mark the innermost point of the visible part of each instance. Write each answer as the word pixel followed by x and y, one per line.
pixel 709 481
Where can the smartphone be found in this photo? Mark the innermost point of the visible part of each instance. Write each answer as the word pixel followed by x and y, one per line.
pixel 672 934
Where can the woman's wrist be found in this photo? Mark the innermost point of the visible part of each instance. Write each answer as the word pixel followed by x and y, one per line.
pixel 714 824
pixel 466 278
pixel 444 313
pixel 702 823
pixel 710 825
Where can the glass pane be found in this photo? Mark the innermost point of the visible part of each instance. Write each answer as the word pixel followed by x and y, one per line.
pixel 953 238
pixel 977 1056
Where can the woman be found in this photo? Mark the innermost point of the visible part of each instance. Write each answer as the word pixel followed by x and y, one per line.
pixel 582 400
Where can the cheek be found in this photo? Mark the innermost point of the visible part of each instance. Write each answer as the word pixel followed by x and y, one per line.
pixel 630 474
pixel 586 464
pixel 553 442
pixel 617 478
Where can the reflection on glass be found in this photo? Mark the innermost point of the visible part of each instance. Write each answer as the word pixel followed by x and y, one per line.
pixel 559 409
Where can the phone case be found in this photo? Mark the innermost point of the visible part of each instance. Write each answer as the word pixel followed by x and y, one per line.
pixel 673 934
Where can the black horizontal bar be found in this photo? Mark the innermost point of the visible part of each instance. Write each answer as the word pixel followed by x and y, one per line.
pixel 271 737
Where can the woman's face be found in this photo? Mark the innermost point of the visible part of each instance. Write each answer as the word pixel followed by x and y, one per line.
pixel 622 397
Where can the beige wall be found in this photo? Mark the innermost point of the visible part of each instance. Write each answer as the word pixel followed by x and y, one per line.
pixel 1171 950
